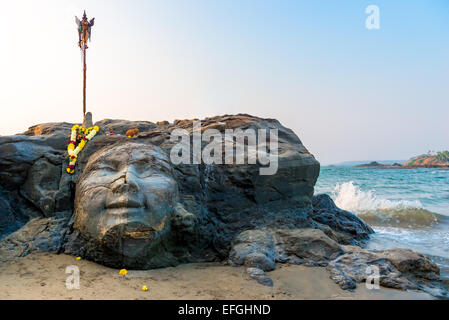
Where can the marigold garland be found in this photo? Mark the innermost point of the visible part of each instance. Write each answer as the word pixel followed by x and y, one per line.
pixel 72 149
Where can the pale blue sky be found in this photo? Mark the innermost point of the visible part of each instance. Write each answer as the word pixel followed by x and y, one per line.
pixel 348 92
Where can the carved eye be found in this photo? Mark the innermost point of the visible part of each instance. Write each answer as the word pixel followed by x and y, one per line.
pixel 142 166
pixel 144 170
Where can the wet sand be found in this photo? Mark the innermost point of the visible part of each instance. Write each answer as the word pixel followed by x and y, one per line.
pixel 43 276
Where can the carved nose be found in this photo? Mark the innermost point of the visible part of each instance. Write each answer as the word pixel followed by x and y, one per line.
pixel 126 184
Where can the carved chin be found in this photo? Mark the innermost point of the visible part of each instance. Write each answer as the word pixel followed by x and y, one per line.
pixel 121 235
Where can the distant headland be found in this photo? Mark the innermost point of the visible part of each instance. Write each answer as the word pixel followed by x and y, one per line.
pixel 429 160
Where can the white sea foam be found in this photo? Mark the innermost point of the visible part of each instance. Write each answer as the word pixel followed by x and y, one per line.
pixel 382 212
pixel 350 197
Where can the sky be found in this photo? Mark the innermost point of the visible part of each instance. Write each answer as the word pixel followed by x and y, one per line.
pixel 348 92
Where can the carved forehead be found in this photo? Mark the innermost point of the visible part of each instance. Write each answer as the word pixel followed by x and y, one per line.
pixel 131 153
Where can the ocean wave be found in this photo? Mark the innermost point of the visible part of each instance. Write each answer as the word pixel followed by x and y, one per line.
pixel 382 212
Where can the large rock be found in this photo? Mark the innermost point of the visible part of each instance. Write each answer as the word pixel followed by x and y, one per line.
pixel 311 245
pixel 236 197
pixel 128 205
pixel 409 262
pixel 255 249
pixel 39 234
pixel 30 174
pixel 263 248
pixel 211 203
pixel 397 268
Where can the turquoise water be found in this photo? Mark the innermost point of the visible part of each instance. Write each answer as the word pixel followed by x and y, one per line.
pixel 408 208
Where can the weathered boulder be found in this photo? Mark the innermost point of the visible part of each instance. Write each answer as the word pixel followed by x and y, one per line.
pixel 254 248
pixel 352 267
pixel 42 185
pixel 30 173
pixel 341 221
pixel 409 262
pixel 263 248
pixel 260 250
pixel 39 234
pixel 313 246
pixel 396 268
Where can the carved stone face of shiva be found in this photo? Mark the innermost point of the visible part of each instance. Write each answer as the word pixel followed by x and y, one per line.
pixel 126 197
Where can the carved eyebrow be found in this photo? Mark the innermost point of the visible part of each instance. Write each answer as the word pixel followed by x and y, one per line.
pixel 103 162
pixel 141 160
pixel 92 187
pixel 114 161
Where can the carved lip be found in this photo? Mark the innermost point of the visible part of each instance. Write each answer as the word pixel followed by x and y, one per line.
pixel 124 203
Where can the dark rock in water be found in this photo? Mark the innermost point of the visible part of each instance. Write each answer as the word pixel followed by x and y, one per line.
pixel 371 164
pixel 327 213
pixel 260 276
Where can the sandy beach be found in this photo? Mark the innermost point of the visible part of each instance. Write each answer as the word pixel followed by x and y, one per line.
pixel 42 276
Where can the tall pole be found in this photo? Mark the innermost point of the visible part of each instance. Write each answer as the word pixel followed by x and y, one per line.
pixel 84 32
pixel 84 81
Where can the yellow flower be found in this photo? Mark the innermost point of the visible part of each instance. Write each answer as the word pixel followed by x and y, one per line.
pixel 144 288
pixel 96 128
pixel 75 127
pixel 123 272
pixel 78 258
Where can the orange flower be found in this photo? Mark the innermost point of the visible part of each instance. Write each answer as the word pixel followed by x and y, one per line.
pixel 123 272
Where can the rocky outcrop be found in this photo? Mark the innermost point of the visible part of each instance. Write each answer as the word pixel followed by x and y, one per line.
pixel 397 268
pixel 263 248
pixel 30 176
pixel 217 201
pixel 412 263
pixel 260 250
pixel 310 245
pixel 256 249
pixel 128 205
pixel 430 160
pixel 39 234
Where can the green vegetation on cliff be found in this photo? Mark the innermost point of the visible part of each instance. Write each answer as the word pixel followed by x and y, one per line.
pixel 438 159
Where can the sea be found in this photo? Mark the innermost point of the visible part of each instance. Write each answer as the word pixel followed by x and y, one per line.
pixel 407 208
